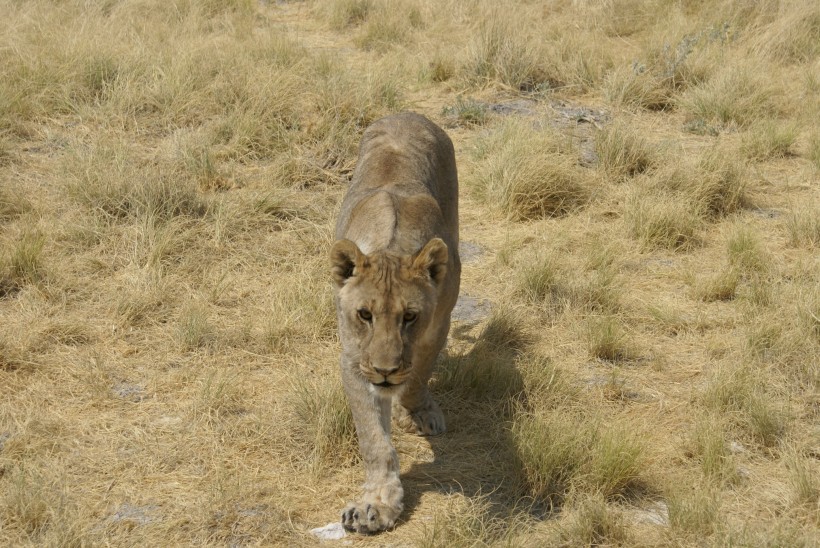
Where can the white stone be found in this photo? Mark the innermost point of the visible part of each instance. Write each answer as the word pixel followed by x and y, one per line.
pixel 331 531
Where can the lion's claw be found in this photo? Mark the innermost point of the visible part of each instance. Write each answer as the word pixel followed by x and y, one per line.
pixel 367 518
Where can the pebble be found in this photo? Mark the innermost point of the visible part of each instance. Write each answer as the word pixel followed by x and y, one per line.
pixel 331 531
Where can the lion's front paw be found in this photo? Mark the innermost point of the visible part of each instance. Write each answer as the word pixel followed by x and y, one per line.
pixel 426 421
pixel 369 517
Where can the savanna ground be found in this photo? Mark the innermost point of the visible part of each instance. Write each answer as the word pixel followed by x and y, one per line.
pixel 636 360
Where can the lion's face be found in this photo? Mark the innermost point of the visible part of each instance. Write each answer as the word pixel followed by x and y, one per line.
pixel 386 304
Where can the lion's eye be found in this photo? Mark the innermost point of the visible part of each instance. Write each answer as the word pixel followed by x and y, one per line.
pixel 365 315
pixel 410 317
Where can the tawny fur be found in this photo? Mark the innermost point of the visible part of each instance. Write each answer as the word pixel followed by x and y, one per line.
pixel 396 274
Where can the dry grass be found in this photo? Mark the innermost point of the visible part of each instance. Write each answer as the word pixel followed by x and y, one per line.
pixel 529 173
pixel 734 97
pixel 623 152
pixel 662 220
pixel 639 214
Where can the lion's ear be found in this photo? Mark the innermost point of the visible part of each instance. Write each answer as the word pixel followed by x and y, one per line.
pixel 432 259
pixel 344 257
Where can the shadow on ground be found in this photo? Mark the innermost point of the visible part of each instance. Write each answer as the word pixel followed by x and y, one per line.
pixel 479 391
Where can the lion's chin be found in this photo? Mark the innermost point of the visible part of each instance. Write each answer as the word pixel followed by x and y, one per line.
pixel 386 388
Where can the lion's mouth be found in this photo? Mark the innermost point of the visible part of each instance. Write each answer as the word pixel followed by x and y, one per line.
pixel 388 383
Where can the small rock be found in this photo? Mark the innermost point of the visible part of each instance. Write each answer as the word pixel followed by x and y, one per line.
pixel 523 107
pixel 136 515
pixel 580 114
pixel 470 309
pixel 130 392
pixel 657 514
pixel 469 252
pixel 331 531
pixel 736 448
pixel 766 213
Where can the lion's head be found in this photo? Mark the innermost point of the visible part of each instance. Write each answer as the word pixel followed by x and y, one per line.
pixel 386 303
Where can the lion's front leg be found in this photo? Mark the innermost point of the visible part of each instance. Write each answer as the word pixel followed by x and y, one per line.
pixel 381 501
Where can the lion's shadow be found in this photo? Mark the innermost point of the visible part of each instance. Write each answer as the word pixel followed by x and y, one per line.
pixel 478 390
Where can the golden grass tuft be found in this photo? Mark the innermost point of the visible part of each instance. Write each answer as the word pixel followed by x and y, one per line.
pixel 814 151
pixel 662 220
pixel 623 153
pixel 793 36
pixel 345 13
pixel 737 392
pixel 467 112
pixel 803 481
pixel 734 97
pixel 529 174
pixel 13 204
pixel 489 372
pixel 746 252
pixel 632 87
pixel 498 52
pixel 465 521
pixel 722 286
pixel 567 452
pixel 389 24
pixel 693 510
pixel 808 314
pixel 110 179
pixel 767 140
pixel 322 423
pixel 720 187
pixel 544 284
pixel 550 448
pixel 21 263
pixel 609 341
pixel 803 226
pixel 596 524
pixel 711 447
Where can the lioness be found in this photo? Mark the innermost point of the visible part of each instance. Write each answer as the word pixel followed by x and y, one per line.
pixel 396 275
